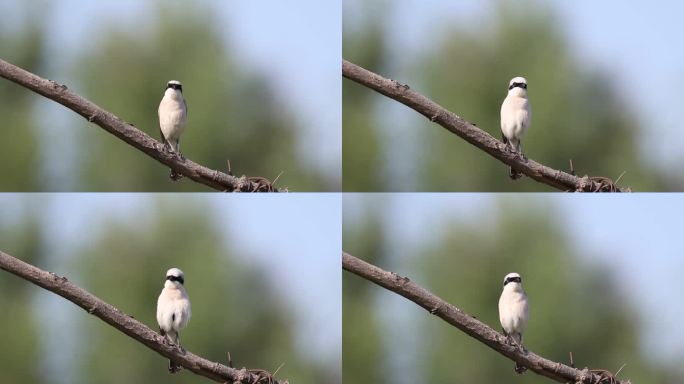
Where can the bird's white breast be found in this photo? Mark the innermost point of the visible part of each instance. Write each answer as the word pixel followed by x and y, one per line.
pixel 513 311
pixel 515 117
pixel 173 310
pixel 172 116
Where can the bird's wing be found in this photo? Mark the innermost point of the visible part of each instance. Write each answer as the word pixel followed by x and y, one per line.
pixel 161 133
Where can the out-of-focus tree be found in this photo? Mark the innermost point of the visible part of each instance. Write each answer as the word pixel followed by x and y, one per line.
pixel 20 340
pixel 233 113
pixel 577 114
pixel 19 157
pixel 233 309
pixel 360 327
pixel 574 307
pixel 364 45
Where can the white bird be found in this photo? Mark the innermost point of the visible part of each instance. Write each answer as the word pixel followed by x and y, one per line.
pixel 173 115
pixel 513 311
pixel 173 310
pixel 515 117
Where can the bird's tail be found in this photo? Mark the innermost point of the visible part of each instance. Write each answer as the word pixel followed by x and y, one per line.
pixel 513 174
pixel 519 369
pixel 517 337
pixel 175 176
pixel 175 367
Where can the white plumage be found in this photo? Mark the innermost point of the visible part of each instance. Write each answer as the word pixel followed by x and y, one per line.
pixel 173 309
pixel 516 116
pixel 173 116
pixel 513 310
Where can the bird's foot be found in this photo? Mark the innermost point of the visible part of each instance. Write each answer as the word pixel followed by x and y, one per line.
pixel 164 339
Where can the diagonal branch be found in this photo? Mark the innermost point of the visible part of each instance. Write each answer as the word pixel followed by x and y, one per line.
pixel 131 135
pixel 131 327
pixel 473 327
pixel 474 135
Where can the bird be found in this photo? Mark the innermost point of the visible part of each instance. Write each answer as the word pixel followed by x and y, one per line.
pixel 515 118
pixel 513 311
pixel 173 115
pixel 173 310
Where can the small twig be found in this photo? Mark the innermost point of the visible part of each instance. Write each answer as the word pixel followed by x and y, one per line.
pixel 277 177
pixel 620 177
pixel 572 363
pixel 616 373
pixel 278 369
pixel 572 168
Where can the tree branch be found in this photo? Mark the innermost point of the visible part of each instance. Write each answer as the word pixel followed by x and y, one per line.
pixel 131 135
pixel 131 327
pixel 473 327
pixel 474 135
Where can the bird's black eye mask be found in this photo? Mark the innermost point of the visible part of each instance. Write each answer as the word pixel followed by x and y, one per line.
pixel 176 278
pixel 521 85
pixel 175 86
pixel 515 279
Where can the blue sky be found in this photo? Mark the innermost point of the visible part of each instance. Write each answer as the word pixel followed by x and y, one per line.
pixel 636 236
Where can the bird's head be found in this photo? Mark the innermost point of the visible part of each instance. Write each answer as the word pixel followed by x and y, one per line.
pixel 518 86
pixel 174 278
pixel 174 88
pixel 513 281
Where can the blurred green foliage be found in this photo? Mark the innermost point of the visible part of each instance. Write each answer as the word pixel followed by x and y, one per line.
pixel 19 146
pixel 577 114
pixel 20 339
pixel 233 112
pixel 574 307
pixel 236 307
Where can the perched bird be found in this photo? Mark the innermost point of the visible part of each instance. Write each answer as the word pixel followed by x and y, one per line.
pixel 173 114
pixel 173 310
pixel 515 117
pixel 513 311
